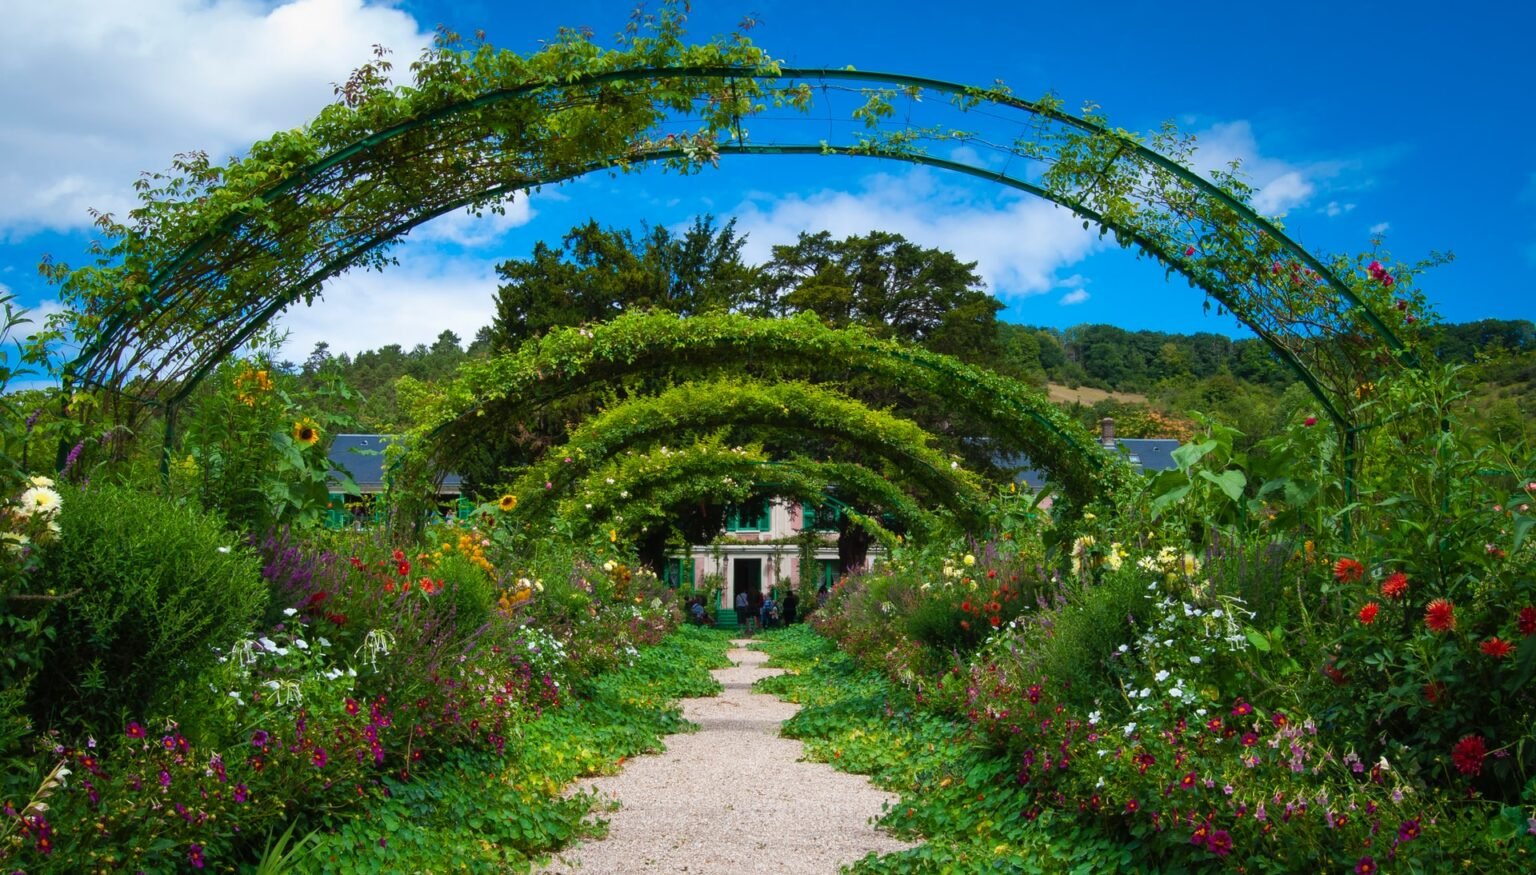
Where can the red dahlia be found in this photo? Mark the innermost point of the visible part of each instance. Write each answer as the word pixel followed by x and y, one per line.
pixel 1468 754
pixel 1495 648
pixel 1527 621
pixel 1440 616
pixel 1368 613
pixel 1348 570
pixel 1395 585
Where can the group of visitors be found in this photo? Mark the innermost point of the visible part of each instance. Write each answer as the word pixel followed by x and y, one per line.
pixel 756 610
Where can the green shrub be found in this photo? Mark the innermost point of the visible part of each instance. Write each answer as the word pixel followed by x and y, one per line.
pixel 468 588
pixel 152 588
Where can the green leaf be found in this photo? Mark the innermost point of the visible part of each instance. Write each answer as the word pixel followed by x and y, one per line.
pixel 1258 639
pixel 1170 497
pixel 1189 454
pixel 1522 528
pixel 1231 482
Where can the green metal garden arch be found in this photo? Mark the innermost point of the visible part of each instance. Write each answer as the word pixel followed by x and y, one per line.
pixel 226 251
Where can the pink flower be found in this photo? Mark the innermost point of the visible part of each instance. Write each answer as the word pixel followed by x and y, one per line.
pixel 1309 421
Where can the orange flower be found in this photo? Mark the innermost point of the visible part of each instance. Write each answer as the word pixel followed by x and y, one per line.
pixel 1368 613
pixel 1440 616
pixel 1395 585
pixel 1348 570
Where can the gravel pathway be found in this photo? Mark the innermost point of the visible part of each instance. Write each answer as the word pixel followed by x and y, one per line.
pixel 733 797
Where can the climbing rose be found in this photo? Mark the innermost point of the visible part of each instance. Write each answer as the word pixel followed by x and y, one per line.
pixel 1468 754
pixel 1348 570
pixel 1368 613
pixel 1440 616
pixel 1495 648
pixel 1395 585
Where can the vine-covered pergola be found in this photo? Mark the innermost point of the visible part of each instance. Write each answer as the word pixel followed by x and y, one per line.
pixel 214 253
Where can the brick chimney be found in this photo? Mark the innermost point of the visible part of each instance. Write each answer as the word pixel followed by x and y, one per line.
pixel 1107 432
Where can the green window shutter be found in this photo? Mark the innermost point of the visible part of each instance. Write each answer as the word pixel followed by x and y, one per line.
pixel 764 516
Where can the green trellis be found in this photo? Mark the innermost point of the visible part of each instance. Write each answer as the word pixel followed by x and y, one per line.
pixel 215 253
pixel 511 387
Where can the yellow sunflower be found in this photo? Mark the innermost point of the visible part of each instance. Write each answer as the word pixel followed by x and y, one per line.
pixel 306 432
pixel 508 503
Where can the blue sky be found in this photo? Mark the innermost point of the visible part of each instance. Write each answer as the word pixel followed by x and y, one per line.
pixel 1352 119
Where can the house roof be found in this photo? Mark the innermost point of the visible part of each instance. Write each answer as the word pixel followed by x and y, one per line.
pixel 1150 454
pixel 362 455
pixel 1144 454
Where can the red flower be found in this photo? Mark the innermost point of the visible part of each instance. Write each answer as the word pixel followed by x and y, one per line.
pixel 1527 622
pixel 1220 843
pixel 1131 806
pixel 1366 866
pixel 1241 709
pixel 1188 781
pixel 1309 421
pixel 1368 613
pixel 403 569
pixel 1495 648
pixel 1348 570
pixel 1468 754
pixel 1433 691
pixel 1190 250
pixel 1395 585
pixel 1440 616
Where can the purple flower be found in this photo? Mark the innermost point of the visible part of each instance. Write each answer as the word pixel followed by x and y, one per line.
pixel 195 856
pixel 259 738
pixel 241 793
pixel 72 458
pixel 165 778
pixel 319 758
pixel 32 420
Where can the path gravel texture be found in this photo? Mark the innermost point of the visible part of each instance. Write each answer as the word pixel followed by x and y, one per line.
pixel 732 797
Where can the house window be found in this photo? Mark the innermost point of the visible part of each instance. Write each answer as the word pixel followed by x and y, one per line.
pixel 821 519
pixel 826 573
pixel 680 573
pixel 750 517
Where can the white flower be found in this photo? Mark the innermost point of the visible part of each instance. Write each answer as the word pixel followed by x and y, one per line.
pixel 39 500
pixel 1094 717
pixel 41 481
pixel 223 549
pixel 288 612
pixel 1145 692
pixel 1195 660
pixel 1161 676
pixel 301 643
pixel 266 643
pixel 323 641
pixel 1129 728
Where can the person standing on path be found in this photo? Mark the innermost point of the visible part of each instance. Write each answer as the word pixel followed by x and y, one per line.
pixel 791 602
pixel 754 607
pixel 743 611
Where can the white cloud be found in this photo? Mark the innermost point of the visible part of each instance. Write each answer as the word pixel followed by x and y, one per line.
pixel 407 304
pixel 95 91
pixel 1018 243
pixel 1335 209
pixel 1279 186
pixel 1076 296
pixel 466 229
pixel 1380 227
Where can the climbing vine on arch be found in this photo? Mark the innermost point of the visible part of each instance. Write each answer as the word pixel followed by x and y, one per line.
pixel 1016 418
pixel 214 252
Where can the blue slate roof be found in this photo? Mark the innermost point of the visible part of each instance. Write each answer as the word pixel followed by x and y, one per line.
pixel 1144 454
pixel 1150 454
pixel 362 455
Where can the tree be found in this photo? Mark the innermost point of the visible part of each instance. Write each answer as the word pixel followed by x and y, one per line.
pixel 890 285
pixel 597 273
